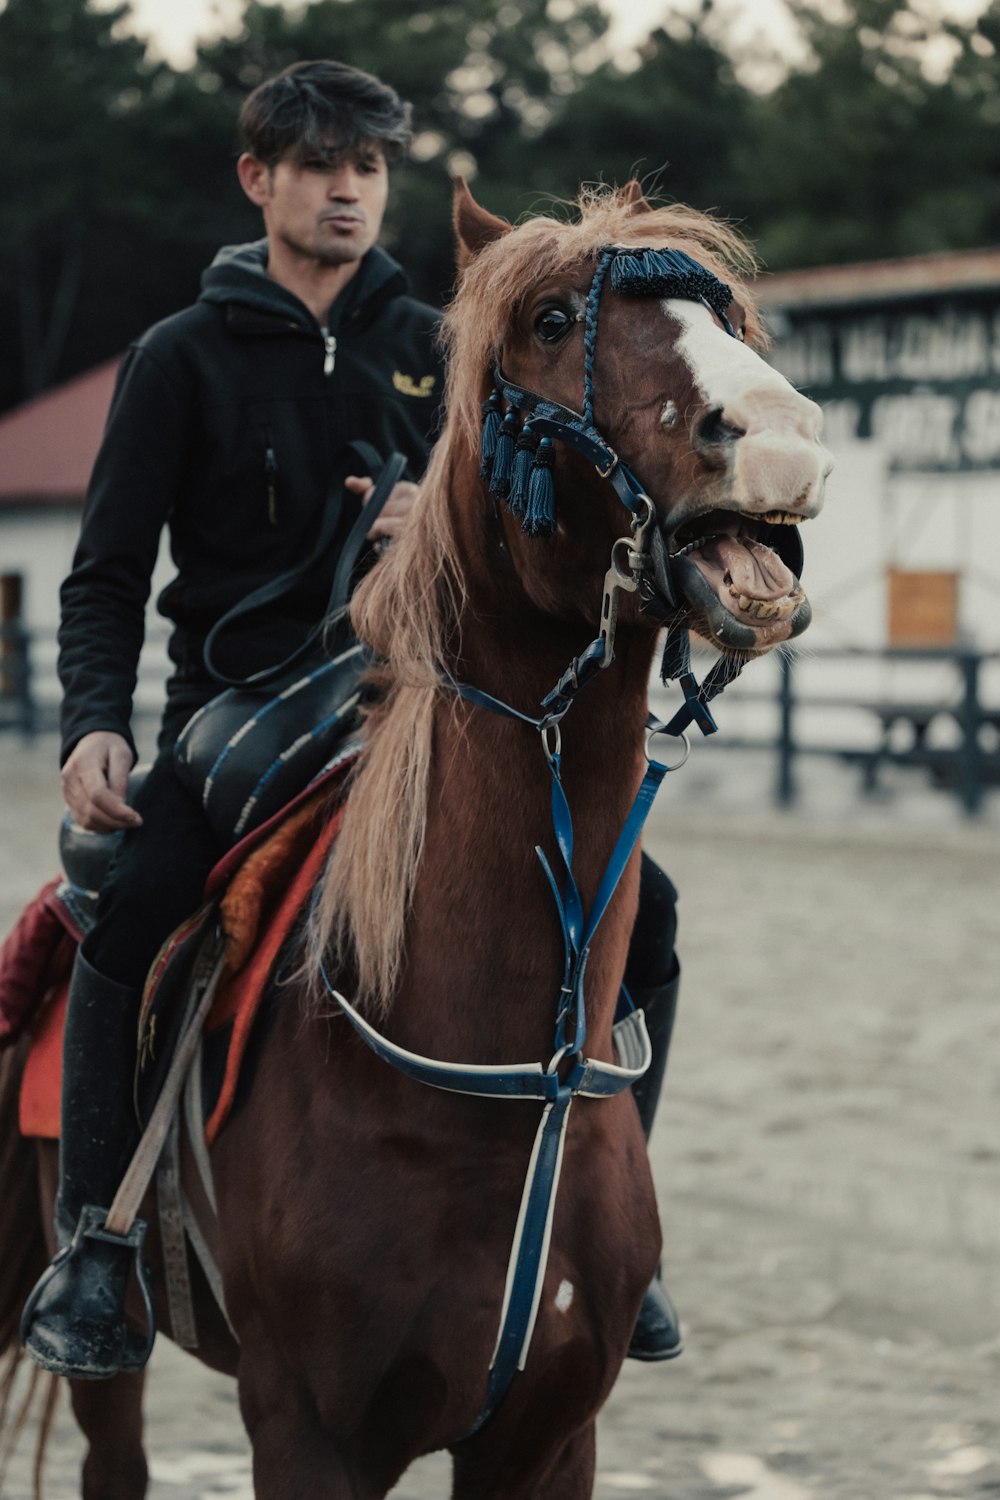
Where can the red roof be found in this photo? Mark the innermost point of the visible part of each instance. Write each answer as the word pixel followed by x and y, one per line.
pixel 48 445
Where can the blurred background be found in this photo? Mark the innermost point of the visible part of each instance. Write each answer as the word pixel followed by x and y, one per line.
pixel 857 142
pixel 827 1158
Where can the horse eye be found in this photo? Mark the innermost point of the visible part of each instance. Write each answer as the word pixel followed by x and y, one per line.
pixel 553 323
pixel 741 333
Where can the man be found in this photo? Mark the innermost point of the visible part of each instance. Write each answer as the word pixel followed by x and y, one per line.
pixel 229 425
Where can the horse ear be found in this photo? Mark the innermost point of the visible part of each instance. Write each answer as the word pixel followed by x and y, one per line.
pixel 474 227
pixel 632 197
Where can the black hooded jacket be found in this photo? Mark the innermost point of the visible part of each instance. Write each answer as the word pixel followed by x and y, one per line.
pixel 228 425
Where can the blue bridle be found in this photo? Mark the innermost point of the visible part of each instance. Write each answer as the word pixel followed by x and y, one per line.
pixel 517 461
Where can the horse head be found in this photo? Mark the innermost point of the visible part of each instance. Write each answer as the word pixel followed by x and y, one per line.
pixel 605 399
pixel 633 327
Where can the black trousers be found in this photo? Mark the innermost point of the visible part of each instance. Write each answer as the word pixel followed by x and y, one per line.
pixel 651 961
pixel 155 879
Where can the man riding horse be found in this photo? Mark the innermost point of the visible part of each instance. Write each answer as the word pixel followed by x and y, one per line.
pixel 231 425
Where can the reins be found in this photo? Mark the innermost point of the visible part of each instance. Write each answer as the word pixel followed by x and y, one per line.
pixel 517 462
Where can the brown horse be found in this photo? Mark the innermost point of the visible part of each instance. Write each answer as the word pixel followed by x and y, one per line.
pixel 366 1220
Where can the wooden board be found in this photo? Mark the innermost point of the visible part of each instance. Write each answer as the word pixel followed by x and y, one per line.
pixel 923 607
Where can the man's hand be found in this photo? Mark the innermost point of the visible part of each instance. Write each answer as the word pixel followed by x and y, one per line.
pixel 94 782
pixel 395 510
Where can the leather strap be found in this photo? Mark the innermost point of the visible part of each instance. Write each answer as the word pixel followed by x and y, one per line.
pixel 183 1323
pixel 137 1178
pixel 387 474
pixel 595 1079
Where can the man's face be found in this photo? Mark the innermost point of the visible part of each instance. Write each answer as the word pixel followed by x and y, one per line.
pixel 328 210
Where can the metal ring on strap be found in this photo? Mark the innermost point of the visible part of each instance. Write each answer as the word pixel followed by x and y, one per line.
pixel 651 735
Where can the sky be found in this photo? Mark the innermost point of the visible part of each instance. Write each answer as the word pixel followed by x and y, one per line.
pixel 174 24
pixel 760 29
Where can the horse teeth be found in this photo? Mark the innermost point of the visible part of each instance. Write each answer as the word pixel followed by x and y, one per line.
pixel 765 609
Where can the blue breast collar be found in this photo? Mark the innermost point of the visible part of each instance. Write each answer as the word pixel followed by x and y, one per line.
pixel 569 1072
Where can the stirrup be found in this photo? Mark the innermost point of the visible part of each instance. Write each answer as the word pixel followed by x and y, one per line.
pixel 73 1322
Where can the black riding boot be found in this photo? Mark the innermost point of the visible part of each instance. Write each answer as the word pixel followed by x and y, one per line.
pixel 74 1321
pixel 657 1331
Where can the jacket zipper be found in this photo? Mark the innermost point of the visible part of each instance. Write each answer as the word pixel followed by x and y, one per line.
pixel 271 477
pixel 330 357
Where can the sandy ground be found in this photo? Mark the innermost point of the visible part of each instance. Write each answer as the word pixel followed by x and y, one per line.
pixel 827 1159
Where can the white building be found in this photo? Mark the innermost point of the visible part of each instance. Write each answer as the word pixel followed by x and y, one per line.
pixel 47 450
pixel 904 357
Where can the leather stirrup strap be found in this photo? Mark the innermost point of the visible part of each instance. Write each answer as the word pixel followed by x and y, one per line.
pixel 137 1178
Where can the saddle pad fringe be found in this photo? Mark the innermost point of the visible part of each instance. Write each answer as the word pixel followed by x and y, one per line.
pixel 243 907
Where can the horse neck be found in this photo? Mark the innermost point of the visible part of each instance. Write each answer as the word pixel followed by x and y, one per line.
pixel 484 961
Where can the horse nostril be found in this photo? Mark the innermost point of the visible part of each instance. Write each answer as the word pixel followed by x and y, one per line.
pixel 712 429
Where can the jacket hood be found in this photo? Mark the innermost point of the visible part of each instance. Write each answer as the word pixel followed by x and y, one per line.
pixel 238 277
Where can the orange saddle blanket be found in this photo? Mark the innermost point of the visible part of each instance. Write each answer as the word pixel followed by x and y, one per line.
pixel 262 897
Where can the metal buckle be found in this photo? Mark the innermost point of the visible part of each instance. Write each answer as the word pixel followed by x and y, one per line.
pixel 641 523
pixel 662 729
pixel 552 750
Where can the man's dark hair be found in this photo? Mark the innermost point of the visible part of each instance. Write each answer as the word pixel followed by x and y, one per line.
pixel 319 111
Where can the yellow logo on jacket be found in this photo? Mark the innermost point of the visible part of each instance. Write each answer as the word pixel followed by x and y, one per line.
pixel 411 387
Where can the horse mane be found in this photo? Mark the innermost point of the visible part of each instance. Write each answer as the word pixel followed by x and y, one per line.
pixel 408 609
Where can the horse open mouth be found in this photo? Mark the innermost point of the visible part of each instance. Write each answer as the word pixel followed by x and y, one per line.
pixel 737 573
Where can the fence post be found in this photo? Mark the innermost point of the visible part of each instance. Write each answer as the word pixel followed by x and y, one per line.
pixel 15 664
pixel 969 780
pixel 785 791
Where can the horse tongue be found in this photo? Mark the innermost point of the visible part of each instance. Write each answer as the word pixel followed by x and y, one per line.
pixel 754 569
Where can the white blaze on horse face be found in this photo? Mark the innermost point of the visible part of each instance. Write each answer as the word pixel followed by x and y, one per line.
pixel 564 1296
pixel 768 434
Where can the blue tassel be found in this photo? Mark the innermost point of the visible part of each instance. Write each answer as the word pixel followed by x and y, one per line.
pixel 491 431
pixel 524 457
pixel 503 457
pixel 668 273
pixel 540 516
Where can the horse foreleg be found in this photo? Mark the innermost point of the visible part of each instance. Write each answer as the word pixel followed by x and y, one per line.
pixel 109 1414
pixel 294 1456
pixel 483 1473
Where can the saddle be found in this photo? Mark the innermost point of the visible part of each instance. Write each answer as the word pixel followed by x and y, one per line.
pixel 253 899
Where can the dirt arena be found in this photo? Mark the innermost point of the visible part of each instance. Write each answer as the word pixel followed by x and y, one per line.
pixel 827 1157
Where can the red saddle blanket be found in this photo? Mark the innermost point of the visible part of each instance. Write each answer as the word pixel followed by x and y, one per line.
pixel 262 893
